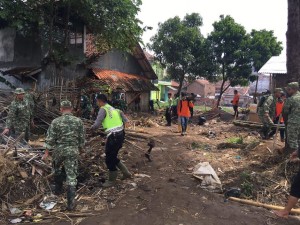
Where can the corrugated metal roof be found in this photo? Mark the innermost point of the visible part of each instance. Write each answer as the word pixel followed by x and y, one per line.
pixel 127 82
pixel 21 71
pixel 275 65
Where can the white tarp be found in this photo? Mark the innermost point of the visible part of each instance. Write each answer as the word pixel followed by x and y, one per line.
pixel 207 174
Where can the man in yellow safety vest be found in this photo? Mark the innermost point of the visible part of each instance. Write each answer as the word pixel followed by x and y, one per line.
pixel 113 122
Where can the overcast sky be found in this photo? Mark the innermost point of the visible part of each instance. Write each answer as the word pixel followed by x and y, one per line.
pixel 252 14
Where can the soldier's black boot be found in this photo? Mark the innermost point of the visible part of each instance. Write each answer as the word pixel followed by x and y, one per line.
pixel 58 179
pixel 71 193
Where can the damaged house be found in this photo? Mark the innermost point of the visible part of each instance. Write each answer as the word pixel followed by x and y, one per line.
pixel 22 65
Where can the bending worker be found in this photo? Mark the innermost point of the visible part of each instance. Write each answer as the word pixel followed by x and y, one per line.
pixel 113 122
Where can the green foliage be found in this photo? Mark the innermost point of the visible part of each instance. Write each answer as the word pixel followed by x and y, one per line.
pixel 177 45
pixel 264 45
pixel 236 140
pixel 114 23
pixel 228 54
pixel 200 146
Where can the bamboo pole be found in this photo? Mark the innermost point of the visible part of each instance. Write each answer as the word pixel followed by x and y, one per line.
pixel 259 204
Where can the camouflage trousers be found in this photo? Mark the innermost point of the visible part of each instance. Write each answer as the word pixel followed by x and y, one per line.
pixel 267 123
pixel 65 164
pixel 86 114
pixel 293 135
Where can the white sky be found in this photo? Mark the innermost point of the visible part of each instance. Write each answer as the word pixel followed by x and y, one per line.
pixel 252 14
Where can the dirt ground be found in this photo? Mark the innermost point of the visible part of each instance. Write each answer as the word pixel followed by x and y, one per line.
pixel 171 196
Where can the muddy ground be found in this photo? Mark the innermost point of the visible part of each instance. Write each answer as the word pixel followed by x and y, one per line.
pixel 171 196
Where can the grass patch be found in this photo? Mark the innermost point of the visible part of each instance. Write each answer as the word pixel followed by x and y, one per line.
pixel 200 146
pixel 235 140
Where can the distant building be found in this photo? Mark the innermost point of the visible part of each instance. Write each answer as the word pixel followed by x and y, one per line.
pixel 229 94
pixel 201 87
pixel 275 68
pixel 164 87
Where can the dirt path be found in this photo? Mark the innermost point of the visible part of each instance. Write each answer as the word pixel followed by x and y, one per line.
pixel 171 196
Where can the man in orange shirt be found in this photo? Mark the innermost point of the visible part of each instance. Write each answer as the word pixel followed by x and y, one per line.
pixel 278 112
pixel 183 111
pixel 235 103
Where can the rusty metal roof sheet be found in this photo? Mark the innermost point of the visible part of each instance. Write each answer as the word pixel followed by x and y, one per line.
pixel 127 82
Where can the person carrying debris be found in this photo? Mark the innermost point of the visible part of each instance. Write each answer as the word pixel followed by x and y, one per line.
pixel 169 110
pixel 267 112
pixel 66 137
pixel 291 109
pixel 278 115
pixel 19 115
pixel 235 103
pixel 113 122
pixel 183 111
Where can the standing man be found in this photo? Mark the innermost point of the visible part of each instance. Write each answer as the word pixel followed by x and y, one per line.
pixel 235 103
pixel 137 103
pixel 19 115
pixel 291 108
pixel 85 105
pixel 113 122
pixel 169 110
pixel 66 137
pixel 183 111
pixel 192 99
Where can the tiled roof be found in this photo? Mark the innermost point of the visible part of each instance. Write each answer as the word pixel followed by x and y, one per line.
pixel 201 81
pixel 127 82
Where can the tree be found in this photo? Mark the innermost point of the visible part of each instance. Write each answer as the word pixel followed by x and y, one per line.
pixel 228 54
pixel 263 45
pixel 293 41
pixel 114 23
pixel 177 44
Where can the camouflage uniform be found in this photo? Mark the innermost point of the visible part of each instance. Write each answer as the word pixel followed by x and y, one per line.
pixel 86 107
pixel 65 136
pixel 268 107
pixel 18 119
pixel 291 108
pixel 29 98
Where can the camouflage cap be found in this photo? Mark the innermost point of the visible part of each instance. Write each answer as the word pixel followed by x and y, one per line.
pixel 66 104
pixel 19 91
pixel 278 90
pixel 293 85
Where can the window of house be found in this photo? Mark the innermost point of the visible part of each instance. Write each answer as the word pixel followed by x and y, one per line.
pixel 76 38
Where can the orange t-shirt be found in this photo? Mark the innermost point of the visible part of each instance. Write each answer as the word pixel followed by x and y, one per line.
pixel 279 107
pixel 183 108
pixel 236 99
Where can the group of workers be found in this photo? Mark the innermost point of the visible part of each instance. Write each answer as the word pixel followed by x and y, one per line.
pixel 66 134
pixel 182 108
pixel 65 139
pixel 88 108
pixel 284 107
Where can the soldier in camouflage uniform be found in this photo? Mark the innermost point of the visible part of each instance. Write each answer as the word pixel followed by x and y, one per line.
pixel 291 111
pixel 66 137
pixel 29 98
pixel 266 112
pixel 18 119
pixel 85 106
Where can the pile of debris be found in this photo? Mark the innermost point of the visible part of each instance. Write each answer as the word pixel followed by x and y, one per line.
pixel 25 179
